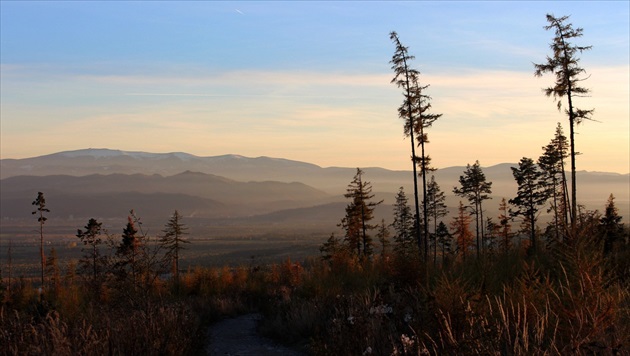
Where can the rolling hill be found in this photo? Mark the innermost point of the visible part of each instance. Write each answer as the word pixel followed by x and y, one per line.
pixel 101 182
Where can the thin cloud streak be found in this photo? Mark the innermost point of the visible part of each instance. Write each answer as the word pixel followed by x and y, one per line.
pixel 248 95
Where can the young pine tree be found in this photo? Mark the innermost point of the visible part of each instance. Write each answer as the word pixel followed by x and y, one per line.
pixel 552 164
pixel 92 260
pixel 436 209
pixel 403 225
pixel 173 241
pixel 359 213
pixel 331 248
pixel 129 251
pixel 611 226
pixel 444 239
pixel 40 203
pixel 531 194
pixel 476 189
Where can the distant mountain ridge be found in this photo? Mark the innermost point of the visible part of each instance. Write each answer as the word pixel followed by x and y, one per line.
pixel 231 185
pixel 196 193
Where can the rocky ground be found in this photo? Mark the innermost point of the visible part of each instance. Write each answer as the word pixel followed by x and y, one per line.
pixel 238 336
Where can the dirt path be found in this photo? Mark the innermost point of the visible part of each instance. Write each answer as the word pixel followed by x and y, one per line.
pixel 238 336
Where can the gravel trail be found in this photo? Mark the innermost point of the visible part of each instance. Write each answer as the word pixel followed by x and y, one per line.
pixel 238 336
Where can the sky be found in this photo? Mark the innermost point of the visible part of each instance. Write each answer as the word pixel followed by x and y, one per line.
pixel 305 80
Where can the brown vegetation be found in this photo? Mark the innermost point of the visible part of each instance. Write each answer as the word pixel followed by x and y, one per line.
pixel 569 300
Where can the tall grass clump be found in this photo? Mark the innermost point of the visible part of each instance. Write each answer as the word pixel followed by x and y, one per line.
pixel 566 300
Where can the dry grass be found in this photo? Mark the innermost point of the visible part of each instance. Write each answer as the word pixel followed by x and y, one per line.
pixel 569 301
pixel 161 330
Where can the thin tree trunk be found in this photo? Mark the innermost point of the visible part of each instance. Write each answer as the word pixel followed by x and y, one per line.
pixel 481 223
pixel 413 160
pixel 555 207
pixel 477 204
pixel 573 175
pixel 41 247
pixel 424 194
pixel 435 242
pixel 532 226
pixel 571 139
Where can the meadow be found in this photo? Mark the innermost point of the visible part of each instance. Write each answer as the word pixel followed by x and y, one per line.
pixel 571 299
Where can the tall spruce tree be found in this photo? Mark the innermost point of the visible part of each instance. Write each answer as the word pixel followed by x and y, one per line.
pixel 424 120
pixel 40 203
pixel 173 241
pixel 564 64
pixel 531 194
pixel 359 213
pixel 415 110
pixel 407 78
pixel 476 189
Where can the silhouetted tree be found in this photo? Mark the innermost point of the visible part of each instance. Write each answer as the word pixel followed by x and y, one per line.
pixel 444 239
pixel 129 251
pixel 403 225
pixel 407 78
pixel 142 256
pixel 475 188
pixel 424 120
pixel 436 208
pixel 40 203
pixel 92 260
pixel 531 194
pixel 611 226
pixel 564 63
pixel 359 213
pixel 331 247
pixel 461 230
pixel 552 164
pixel 173 240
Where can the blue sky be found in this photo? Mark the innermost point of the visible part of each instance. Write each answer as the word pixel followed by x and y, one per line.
pixel 303 80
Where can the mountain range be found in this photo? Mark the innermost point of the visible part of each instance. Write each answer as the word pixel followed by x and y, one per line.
pixel 107 183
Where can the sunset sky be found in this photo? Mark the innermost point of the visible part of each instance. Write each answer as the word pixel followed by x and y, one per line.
pixel 307 81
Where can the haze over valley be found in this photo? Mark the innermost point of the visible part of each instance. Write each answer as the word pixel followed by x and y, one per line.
pixel 246 191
